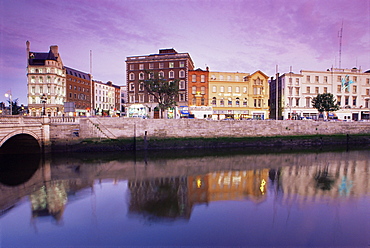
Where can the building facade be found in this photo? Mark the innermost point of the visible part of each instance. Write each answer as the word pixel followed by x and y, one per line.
pixel 351 88
pixel 169 64
pixel 78 92
pixel 235 95
pixel 104 98
pixel 46 82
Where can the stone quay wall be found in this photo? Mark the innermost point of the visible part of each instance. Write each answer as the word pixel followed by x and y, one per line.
pixel 135 133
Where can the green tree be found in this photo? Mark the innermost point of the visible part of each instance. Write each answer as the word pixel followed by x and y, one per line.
pixel 164 91
pixel 325 102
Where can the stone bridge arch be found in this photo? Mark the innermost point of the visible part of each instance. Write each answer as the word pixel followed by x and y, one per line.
pixel 20 141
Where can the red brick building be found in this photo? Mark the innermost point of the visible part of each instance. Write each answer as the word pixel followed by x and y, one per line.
pixel 78 91
pixel 198 87
pixel 169 64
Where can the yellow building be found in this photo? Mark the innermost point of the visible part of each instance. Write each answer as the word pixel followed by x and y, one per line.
pixel 235 95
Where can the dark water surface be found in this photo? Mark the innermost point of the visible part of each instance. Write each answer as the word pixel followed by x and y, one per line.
pixel 186 198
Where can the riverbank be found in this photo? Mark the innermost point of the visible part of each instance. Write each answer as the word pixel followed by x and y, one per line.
pixel 156 143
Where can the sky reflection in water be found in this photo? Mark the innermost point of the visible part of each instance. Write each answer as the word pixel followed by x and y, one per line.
pixel 286 199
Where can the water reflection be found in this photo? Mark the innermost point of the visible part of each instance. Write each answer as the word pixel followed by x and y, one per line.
pixel 167 190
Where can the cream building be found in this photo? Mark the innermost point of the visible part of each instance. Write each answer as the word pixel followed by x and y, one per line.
pixel 351 88
pixel 46 82
pixel 239 95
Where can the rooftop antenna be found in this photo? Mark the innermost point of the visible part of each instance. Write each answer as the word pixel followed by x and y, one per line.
pixel 340 33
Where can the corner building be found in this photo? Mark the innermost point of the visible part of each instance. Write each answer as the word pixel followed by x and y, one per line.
pixel 169 64
pixel 46 82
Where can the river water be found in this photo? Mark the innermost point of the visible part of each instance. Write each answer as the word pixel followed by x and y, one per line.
pixel 190 198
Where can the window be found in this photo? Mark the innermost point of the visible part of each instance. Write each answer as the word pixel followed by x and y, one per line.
pixel 237 89
pixel 222 89
pixel 202 90
pixel 182 64
pixel 229 102
pixel 182 74
pixel 245 90
pixel 354 89
pixel 290 91
pixel 132 67
pixel 325 79
pixel 308 78
pixel 229 78
pixel 202 101
pixel 161 65
pixel 171 74
pixel 171 65
pixel 354 101
pixel 132 76
pixel 339 88
pixel 237 78
pixel 182 84
pixel 367 80
pixel 221 77
pixel 354 79
pixel 33 80
pixel 316 79
pixel 132 98
pixel 161 74
pixel 202 78
pixel 297 102
pixel 141 76
pixel 193 90
pixel 214 100
pixel 222 102
pixel 193 78
pixel 237 102
pixel 229 89
pixel 325 89
pixel 316 90
pixel 182 97
pixel 308 89
pixel 132 86
pixel 194 101
pixel 368 92
pixel 308 102
pixel 214 88
pixel 141 98
pixel 297 81
pixel 40 80
pixel 245 102
pixel 339 79
pixel 339 98
pixel 141 86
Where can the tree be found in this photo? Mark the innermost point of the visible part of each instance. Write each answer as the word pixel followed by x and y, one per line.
pixel 325 102
pixel 164 91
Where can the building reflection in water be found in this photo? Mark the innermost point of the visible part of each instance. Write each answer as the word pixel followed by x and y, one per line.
pixel 157 196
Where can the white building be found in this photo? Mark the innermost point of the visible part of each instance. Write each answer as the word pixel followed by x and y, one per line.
pixel 104 98
pixel 351 88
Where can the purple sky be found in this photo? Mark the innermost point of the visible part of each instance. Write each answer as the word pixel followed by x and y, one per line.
pixel 226 35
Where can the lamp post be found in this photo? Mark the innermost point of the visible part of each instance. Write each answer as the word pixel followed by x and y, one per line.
pixel 9 94
pixel 43 101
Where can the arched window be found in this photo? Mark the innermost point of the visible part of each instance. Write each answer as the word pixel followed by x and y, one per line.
pixel 132 76
pixel 237 102
pixel 214 100
pixel 245 102
pixel 182 74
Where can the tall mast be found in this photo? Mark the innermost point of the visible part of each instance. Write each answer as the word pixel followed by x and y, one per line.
pixel 340 33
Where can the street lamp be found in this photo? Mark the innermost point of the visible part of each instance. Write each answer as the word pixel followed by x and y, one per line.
pixel 43 101
pixel 9 94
